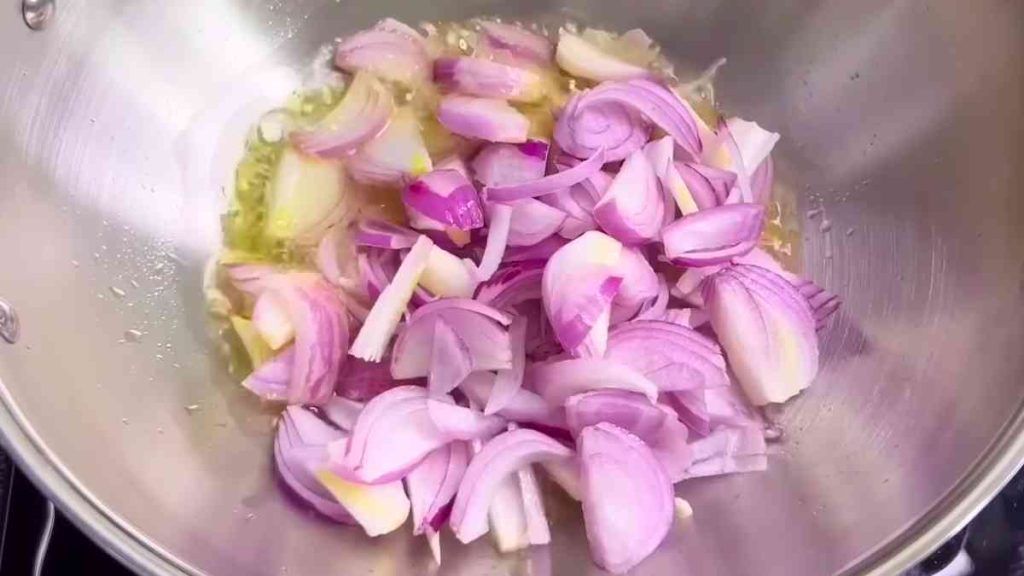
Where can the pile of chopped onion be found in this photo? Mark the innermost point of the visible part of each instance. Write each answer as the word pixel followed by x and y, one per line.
pixel 581 297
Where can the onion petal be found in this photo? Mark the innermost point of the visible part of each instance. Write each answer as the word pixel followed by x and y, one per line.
pixel 380 324
pixel 483 119
pixel 627 497
pixel 394 155
pixel 547 184
pixel 450 359
pixel 580 281
pixel 487 79
pixel 500 457
pixel 557 381
pixel 632 209
pixel 727 451
pixel 767 330
pixel 433 483
pixel 715 235
pixel 579 57
pixel 508 382
pixel 363 113
pixel 513 44
pixel 673 357
pixel 478 325
pixel 390 50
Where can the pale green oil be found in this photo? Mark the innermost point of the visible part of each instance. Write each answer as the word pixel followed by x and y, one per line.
pixel 245 221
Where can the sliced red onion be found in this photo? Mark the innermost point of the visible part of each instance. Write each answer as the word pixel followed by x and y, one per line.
pixel 500 457
pixel 741 147
pixel 450 359
pixel 541 251
pixel 478 325
pixel 463 423
pixel 271 321
pixel 483 119
pixel 727 451
pixel 656 309
pixel 396 154
pixel 688 317
pixel 538 532
pixel 342 412
pixel 583 59
pixel 378 508
pixel 628 100
pixel 399 415
pixel 705 410
pixel 389 50
pixel 583 130
pixel 497 241
pixel 432 485
pixel 335 259
pixel 639 281
pixel 321 337
pixel 823 303
pixel 767 330
pixel 566 473
pixel 502 164
pixel 671 356
pixel 708 186
pixel 361 380
pixel 446 198
pixel 762 180
pixel 524 407
pixel 670 447
pixel 715 235
pixel 557 381
pixel 507 517
pixel 533 221
pixel 514 44
pixel 627 410
pixel 376 269
pixel 448 276
pixel 363 113
pixel 299 451
pixel 627 497
pixel 633 208
pixel 547 184
pixel 512 284
pixel 487 79
pixel 383 234
pixel 271 380
pixel 508 382
pixel 380 325
pixel 580 282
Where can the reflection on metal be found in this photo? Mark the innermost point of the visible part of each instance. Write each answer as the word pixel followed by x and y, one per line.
pixel 9 327
pixel 38 13
pixel 44 541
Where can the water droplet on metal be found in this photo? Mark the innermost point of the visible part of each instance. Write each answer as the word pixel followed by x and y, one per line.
pixel 124 421
pixel 38 13
pixel 75 263
pixel 825 226
pixel 192 408
pixel 773 433
pixel 117 292
pixel 9 326
pixel 814 213
pixel 133 336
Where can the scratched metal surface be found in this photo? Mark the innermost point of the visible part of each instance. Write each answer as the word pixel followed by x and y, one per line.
pixel 901 121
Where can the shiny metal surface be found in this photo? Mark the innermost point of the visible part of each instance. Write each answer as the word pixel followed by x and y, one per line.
pixel 902 120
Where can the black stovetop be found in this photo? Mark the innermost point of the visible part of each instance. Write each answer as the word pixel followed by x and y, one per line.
pixel 993 544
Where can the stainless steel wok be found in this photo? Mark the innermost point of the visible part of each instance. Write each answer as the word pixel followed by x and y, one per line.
pixel 903 120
